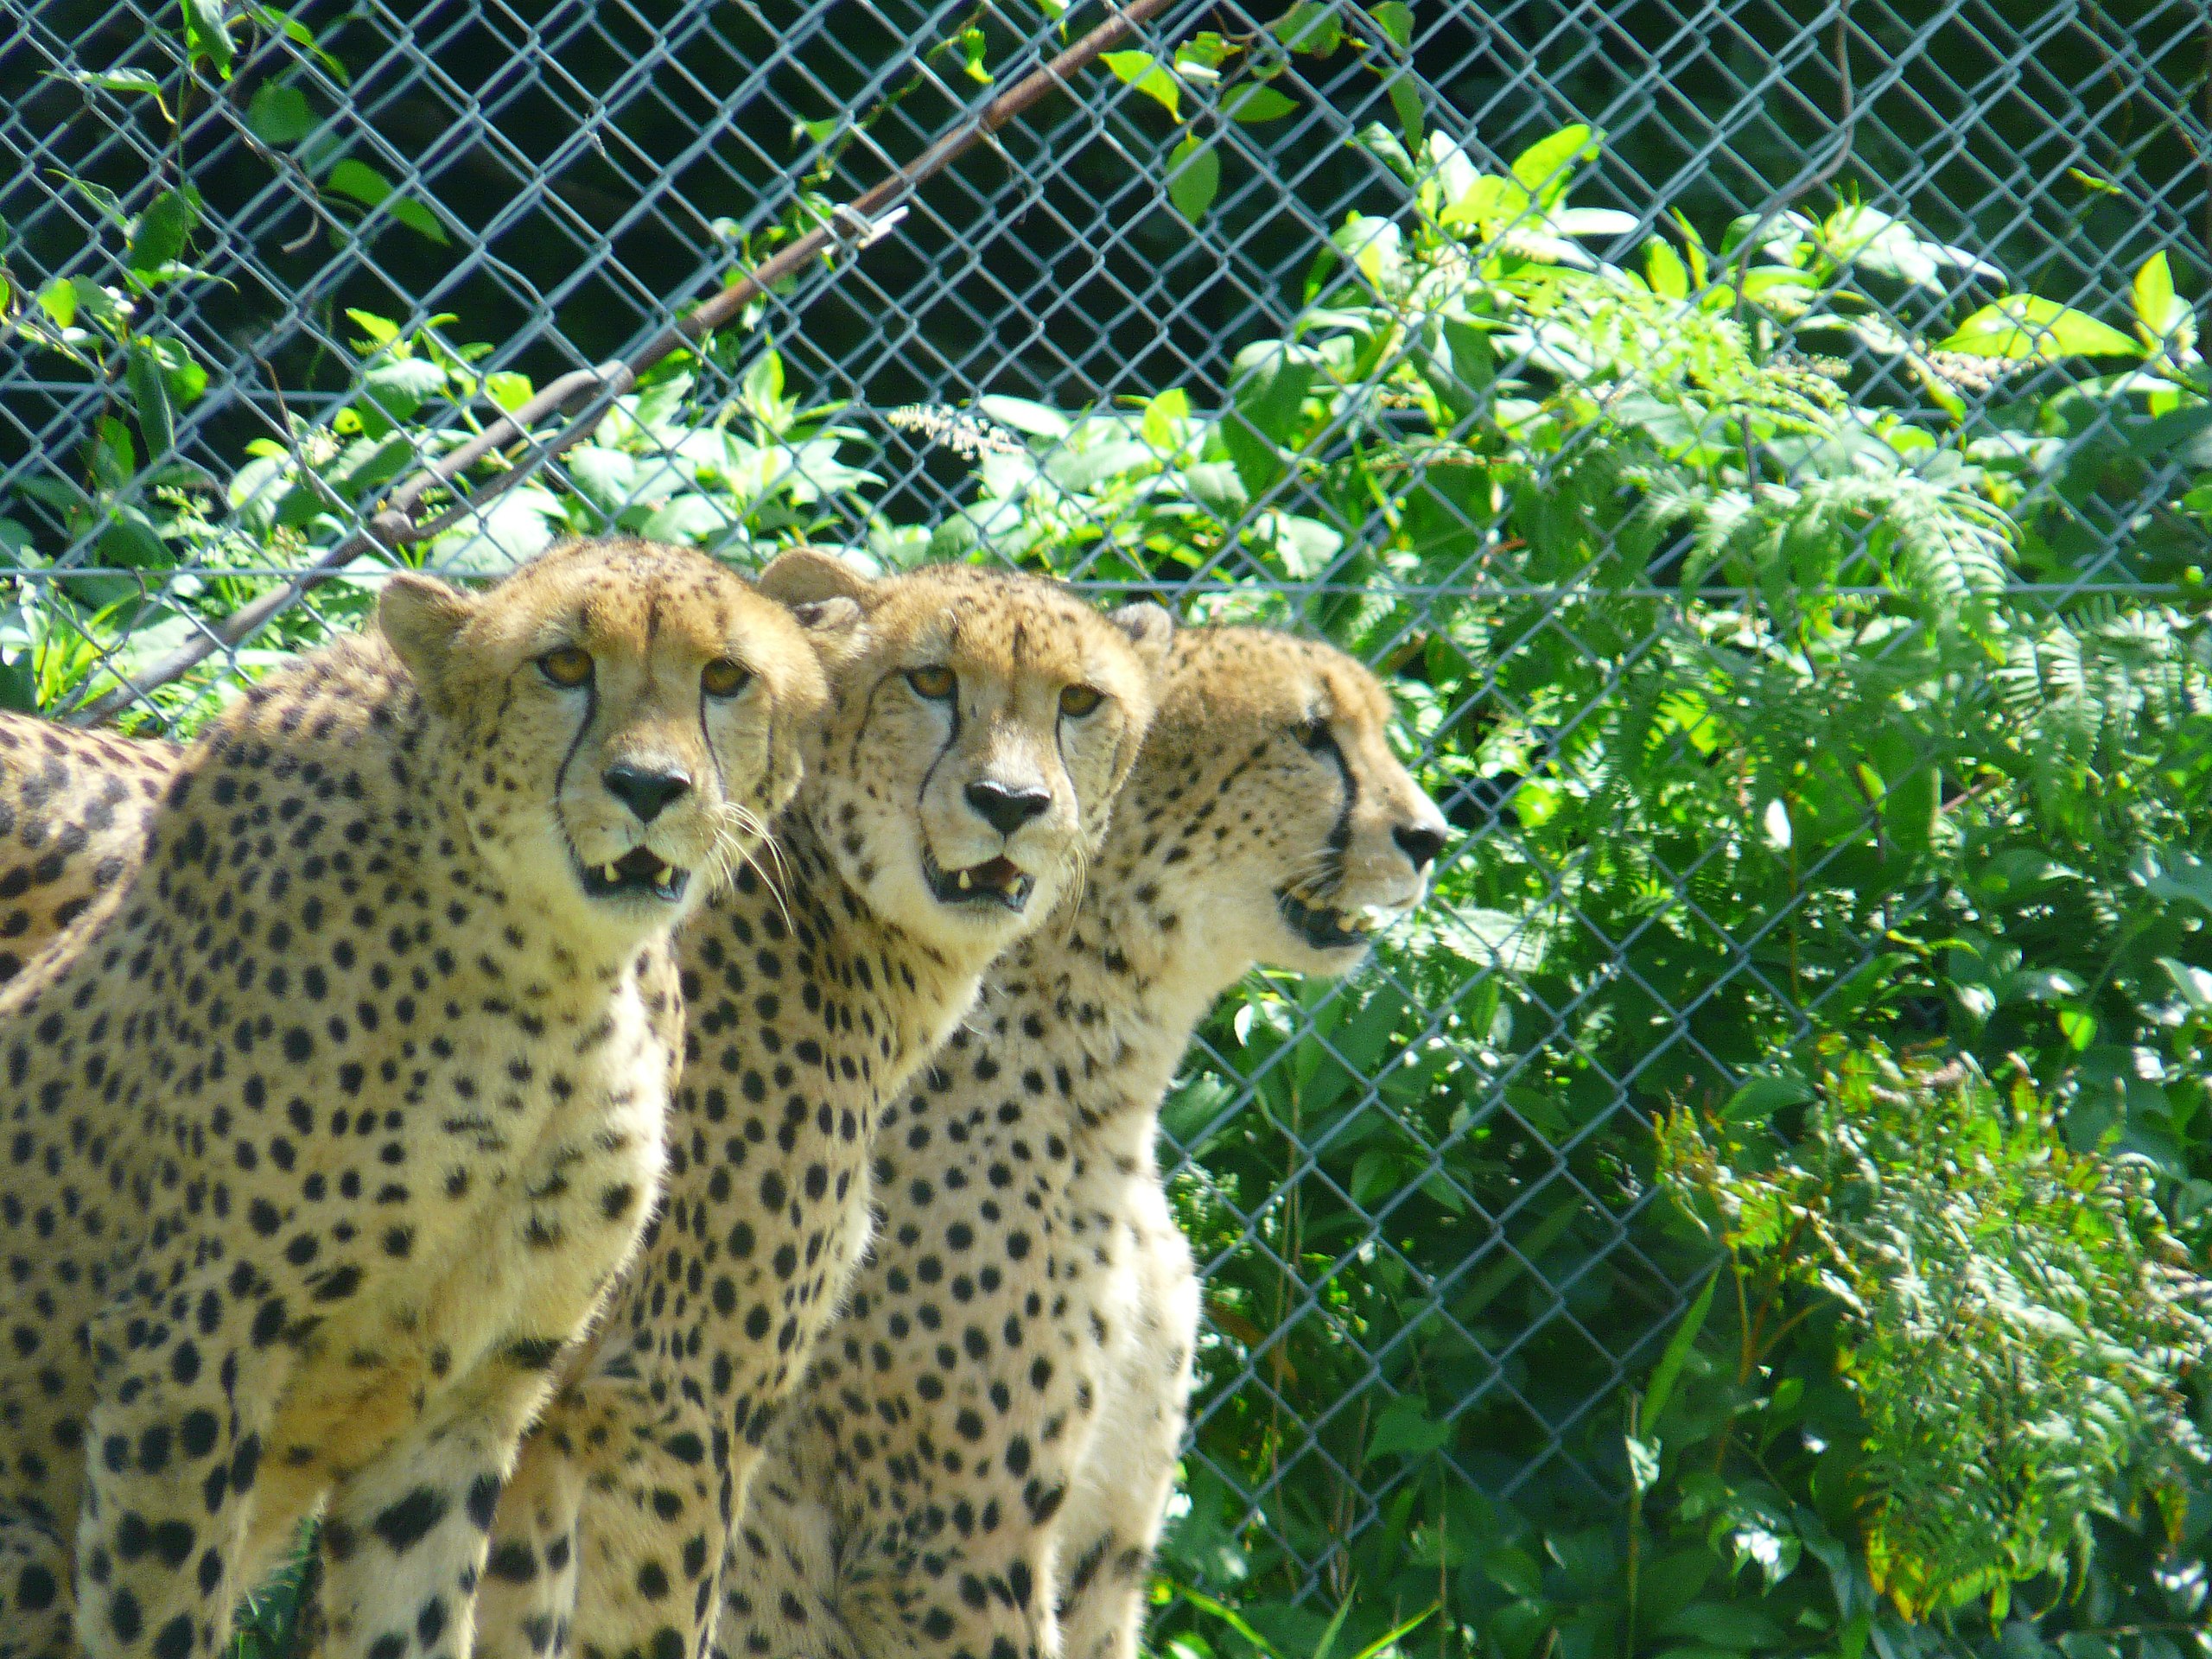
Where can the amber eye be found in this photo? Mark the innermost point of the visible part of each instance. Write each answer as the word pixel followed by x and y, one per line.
pixel 1077 701
pixel 1315 734
pixel 934 681
pixel 723 678
pixel 566 665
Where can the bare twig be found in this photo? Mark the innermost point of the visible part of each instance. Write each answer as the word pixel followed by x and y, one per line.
pixel 588 394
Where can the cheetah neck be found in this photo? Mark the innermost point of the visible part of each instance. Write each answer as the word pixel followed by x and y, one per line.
pixel 1121 989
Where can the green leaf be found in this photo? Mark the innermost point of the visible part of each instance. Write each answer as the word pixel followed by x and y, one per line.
pixel 1193 177
pixel 2028 328
pixel 1405 1429
pixel 58 298
pixel 364 184
pixel 1039 420
pixel 1396 19
pixel 358 180
pixel 1547 167
pixel 1253 101
pixel 1310 27
pixel 149 393
pixel 1404 94
pixel 509 391
pixel 159 235
pixel 116 80
pixel 2193 982
pixel 1664 270
pixel 1149 76
pixel 973 45
pixel 205 35
pixel 1383 144
pixel 1397 1633
pixel 418 218
pixel 1670 1368
pixel 1474 363
pixel 131 541
pixel 2164 315
pixel 1267 390
pixel 279 115
pixel 381 331
pixel 115 458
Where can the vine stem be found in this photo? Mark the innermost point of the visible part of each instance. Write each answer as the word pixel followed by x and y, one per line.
pixel 589 395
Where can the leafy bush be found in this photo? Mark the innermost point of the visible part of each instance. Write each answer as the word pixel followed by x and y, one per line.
pixel 2016 1320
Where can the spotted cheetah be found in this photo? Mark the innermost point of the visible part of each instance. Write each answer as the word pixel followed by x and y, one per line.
pixel 983 1447
pixel 328 1135
pixel 74 810
pixel 980 724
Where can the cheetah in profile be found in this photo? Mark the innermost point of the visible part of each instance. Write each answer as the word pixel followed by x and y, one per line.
pixel 977 1463
pixel 328 1133
pixel 980 726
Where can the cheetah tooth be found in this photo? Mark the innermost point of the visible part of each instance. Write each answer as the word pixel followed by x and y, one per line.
pixel 667 875
pixel 965 880
pixel 612 874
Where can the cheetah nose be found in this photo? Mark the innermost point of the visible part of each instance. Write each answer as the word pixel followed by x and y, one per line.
pixel 1421 842
pixel 1006 809
pixel 645 792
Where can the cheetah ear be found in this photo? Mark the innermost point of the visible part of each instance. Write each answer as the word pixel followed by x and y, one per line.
pixel 420 616
pixel 806 574
pixel 1150 628
pixel 834 627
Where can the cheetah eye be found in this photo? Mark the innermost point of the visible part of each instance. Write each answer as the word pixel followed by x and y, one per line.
pixel 936 681
pixel 567 666
pixel 724 678
pixel 1313 734
pixel 1077 701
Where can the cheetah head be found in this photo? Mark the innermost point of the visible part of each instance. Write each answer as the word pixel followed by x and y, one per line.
pixel 613 719
pixel 980 724
pixel 1299 833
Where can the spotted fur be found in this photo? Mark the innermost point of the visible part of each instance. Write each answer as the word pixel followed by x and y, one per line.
pixel 951 746
pixel 75 807
pixel 977 1463
pixel 328 1133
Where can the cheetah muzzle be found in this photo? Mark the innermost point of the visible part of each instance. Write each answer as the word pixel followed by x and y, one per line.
pixel 639 873
pixel 998 881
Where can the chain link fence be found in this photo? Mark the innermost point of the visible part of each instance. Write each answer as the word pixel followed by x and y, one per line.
pixel 562 178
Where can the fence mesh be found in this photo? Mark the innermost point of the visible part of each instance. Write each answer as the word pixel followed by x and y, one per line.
pixel 562 177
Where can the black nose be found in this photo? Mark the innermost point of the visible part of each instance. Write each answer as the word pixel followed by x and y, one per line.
pixel 1006 809
pixel 645 792
pixel 1421 842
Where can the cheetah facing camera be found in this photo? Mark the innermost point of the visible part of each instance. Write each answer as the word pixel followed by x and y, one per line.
pixel 328 1135
pixel 984 1446
pixel 980 726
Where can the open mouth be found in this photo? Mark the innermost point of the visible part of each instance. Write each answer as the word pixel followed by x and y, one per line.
pixel 995 881
pixel 637 873
pixel 1332 930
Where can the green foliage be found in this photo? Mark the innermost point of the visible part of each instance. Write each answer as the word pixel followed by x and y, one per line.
pixel 1759 680
pixel 2016 1320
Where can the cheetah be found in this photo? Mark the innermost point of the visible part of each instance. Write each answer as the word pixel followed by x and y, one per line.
pixel 977 1463
pixel 74 811
pixel 327 1134
pixel 980 726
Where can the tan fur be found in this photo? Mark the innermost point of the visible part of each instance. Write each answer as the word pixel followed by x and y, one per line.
pixel 74 810
pixel 809 998
pixel 977 1463
pixel 326 1136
